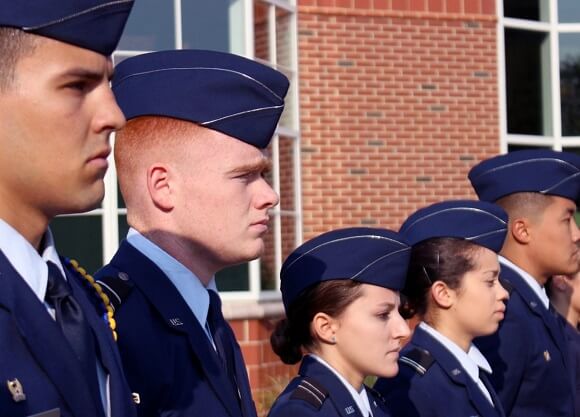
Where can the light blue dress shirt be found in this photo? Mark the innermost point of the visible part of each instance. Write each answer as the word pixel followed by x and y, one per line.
pixel 186 282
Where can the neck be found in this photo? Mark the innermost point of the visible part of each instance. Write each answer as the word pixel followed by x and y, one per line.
pixel 331 356
pixel 524 262
pixel 30 223
pixel 178 247
pixel 450 330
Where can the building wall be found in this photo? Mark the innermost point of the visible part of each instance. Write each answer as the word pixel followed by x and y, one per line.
pixel 398 100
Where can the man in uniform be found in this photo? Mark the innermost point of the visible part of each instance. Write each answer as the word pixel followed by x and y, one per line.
pixel 528 354
pixel 58 356
pixel 190 164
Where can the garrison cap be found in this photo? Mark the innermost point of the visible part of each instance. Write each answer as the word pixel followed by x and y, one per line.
pixel 221 91
pixel 368 255
pixel 479 222
pixel 91 24
pixel 539 170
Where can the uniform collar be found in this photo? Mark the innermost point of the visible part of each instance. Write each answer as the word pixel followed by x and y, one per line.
pixel 471 361
pixel 26 260
pixel 186 282
pixel 361 398
pixel 529 280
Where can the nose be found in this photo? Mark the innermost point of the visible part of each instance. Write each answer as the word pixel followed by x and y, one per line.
pixel 109 116
pixel 267 198
pixel 575 231
pixel 502 293
pixel 401 328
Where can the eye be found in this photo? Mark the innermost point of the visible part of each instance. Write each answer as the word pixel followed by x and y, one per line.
pixel 78 86
pixel 384 315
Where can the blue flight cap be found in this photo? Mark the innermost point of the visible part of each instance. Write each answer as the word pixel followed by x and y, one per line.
pixel 479 222
pixel 372 256
pixel 91 24
pixel 225 92
pixel 540 170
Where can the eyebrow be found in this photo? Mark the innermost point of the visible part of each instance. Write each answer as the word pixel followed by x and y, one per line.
pixel 84 74
pixel 262 165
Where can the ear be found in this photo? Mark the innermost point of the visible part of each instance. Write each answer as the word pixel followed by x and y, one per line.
pixel 443 296
pixel 159 186
pixel 521 230
pixel 324 328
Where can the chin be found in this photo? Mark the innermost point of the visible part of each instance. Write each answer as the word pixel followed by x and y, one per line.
pixel 389 372
pixel 90 200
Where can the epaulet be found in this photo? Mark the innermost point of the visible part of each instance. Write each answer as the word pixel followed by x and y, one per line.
pixel 418 359
pixel 509 287
pixel 310 391
pixel 117 285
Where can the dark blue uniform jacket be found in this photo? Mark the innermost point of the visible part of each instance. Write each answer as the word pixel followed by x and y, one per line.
pixel 34 352
pixel 168 358
pixel 529 355
pixel 432 383
pixel 318 392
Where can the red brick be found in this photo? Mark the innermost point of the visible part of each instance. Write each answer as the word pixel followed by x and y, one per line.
pixel 238 326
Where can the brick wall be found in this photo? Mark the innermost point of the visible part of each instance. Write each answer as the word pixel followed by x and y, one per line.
pixel 398 100
pixel 268 375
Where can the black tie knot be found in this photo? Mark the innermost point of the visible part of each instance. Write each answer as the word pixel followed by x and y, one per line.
pixel 57 288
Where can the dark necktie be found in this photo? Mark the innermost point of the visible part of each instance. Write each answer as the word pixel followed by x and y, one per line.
pixel 221 337
pixel 76 330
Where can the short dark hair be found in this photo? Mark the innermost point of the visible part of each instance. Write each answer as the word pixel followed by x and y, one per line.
pixel 438 259
pixel 525 204
pixel 292 334
pixel 14 44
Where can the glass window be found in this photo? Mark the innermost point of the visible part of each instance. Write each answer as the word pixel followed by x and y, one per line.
pixel 235 278
pixel 151 26
pixel 568 11
pixel 570 82
pixel 526 9
pixel 218 25
pixel 80 238
pixel 527 63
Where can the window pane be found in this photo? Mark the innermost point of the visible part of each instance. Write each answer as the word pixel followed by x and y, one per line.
pixel 268 272
pixel 527 9
pixel 150 27
pixel 512 148
pixel 287 186
pixel 569 11
pixel 123 226
pixel 217 25
pixel 527 56
pixel 80 238
pixel 235 278
pixel 570 83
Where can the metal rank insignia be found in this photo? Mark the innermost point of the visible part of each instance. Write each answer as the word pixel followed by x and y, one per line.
pixel 547 356
pixel 136 398
pixel 15 388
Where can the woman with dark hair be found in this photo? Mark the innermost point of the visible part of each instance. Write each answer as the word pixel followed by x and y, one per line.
pixel 452 285
pixel 341 295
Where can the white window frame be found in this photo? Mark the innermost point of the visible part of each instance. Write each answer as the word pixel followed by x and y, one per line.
pixel 553 28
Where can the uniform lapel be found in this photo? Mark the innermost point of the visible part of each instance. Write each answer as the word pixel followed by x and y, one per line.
pixel 108 356
pixel 45 341
pixel 535 305
pixel 338 393
pixel 494 396
pixel 454 371
pixel 178 317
